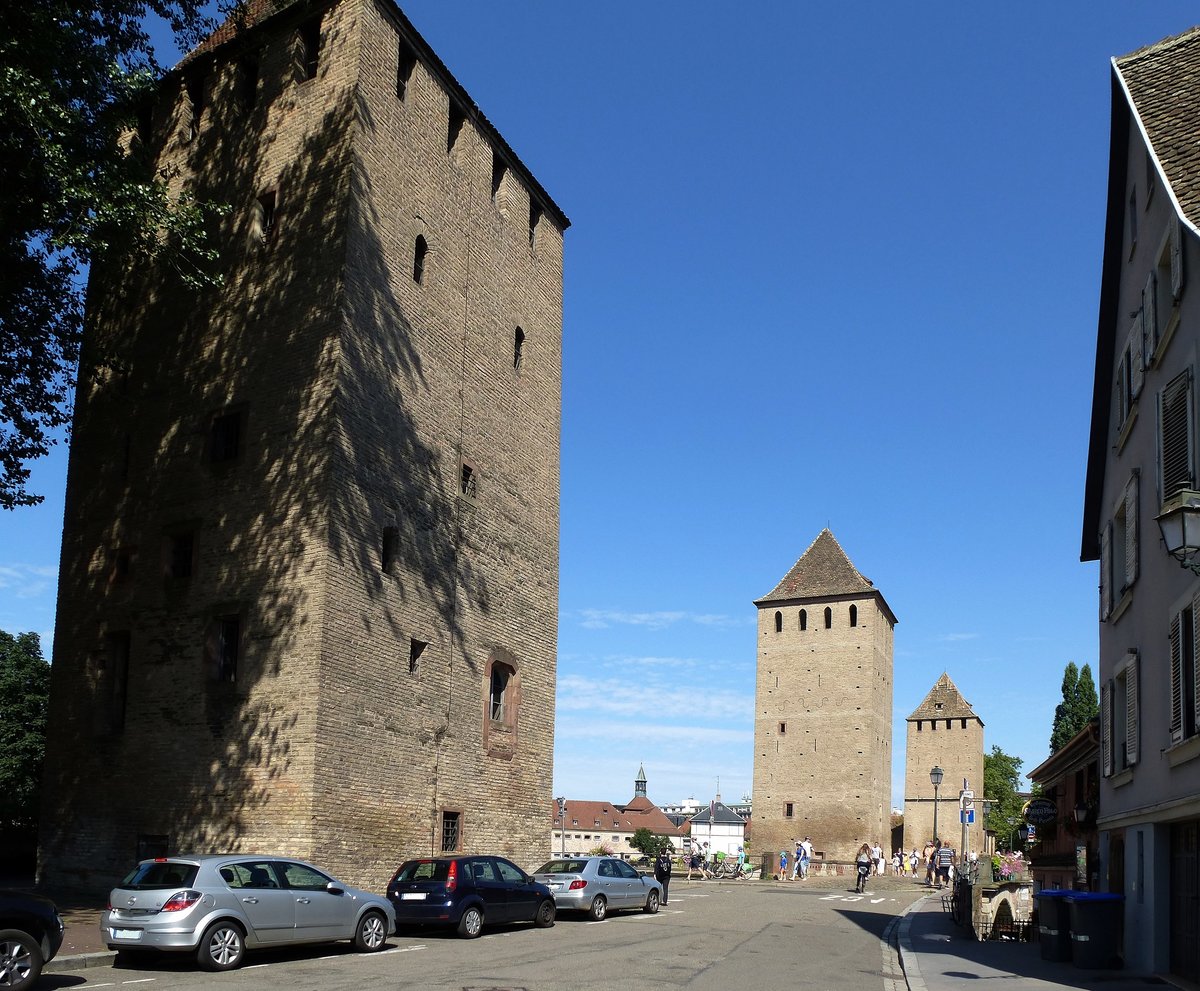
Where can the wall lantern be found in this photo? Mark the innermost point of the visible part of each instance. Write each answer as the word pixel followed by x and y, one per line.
pixel 1179 523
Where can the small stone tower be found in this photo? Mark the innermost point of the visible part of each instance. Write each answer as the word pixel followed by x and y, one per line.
pixel 823 707
pixel 943 732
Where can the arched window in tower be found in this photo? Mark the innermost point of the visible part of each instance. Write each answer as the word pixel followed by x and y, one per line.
pixel 828 618
pixel 779 622
pixel 854 615
pixel 803 619
pixel 420 250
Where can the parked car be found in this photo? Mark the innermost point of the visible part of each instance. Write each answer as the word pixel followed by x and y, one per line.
pixel 31 931
pixel 467 892
pixel 220 906
pixel 598 885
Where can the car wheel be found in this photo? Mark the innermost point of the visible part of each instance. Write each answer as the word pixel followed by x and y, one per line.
pixel 20 959
pixel 221 947
pixel 651 902
pixel 372 932
pixel 471 923
pixel 599 908
pixel 545 914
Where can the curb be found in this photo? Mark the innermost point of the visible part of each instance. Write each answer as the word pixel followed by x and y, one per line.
pixel 908 956
pixel 80 961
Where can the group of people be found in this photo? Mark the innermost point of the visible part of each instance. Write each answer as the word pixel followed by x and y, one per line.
pixel 938 859
pixel 800 859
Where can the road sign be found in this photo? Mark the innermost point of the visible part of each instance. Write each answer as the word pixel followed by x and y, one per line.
pixel 967 817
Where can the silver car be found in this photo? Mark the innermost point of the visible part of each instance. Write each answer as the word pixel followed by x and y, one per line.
pixel 220 906
pixel 598 885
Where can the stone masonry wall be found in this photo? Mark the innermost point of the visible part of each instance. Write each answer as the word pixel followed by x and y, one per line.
pixel 822 730
pixel 958 750
pixel 357 394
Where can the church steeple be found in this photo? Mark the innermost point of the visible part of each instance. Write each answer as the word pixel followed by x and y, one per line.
pixel 639 783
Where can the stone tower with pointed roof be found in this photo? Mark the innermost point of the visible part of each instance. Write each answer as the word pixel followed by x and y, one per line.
pixel 943 732
pixel 823 708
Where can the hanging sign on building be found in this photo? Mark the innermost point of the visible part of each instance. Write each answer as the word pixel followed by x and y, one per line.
pixel 1040 812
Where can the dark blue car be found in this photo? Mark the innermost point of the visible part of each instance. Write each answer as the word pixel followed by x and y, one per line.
pixel 467 892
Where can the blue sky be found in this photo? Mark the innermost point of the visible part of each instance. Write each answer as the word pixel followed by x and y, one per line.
pixel 830 265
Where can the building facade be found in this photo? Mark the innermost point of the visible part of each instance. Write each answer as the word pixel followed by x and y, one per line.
pixel 308 588
pixel 943 732
pixel 1065 855
pixel 1141 482
pixel 823 708
pixel 718 825
pixel 588 825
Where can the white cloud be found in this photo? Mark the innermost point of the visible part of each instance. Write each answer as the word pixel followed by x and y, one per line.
pixel 651 699
pixel 602 619
pixel 27 581
pixel 956 637
pixel 678 737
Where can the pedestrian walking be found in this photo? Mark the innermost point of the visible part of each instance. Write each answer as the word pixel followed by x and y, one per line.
pixel 782 875
pixel 806 854
pixel 796 859
pixel 662 872
pixel 694 863
pixel 945 861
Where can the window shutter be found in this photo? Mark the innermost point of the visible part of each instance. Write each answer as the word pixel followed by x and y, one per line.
pixel 1150 317
pixel 1131 709
pixel 1106 761
pixel 1105 569
pixel 1176 724
pixel 1137 364
pixel 1176 260
pixel 1122 396
pixel 1131 531
pixel 1174 420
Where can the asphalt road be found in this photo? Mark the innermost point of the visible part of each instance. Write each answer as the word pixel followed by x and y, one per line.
pixel 709 938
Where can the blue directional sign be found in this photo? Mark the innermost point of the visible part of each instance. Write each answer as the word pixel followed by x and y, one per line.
pixel 967 817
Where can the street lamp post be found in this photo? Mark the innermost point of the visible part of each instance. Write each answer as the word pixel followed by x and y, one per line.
pixel 562 818
pixel 935 779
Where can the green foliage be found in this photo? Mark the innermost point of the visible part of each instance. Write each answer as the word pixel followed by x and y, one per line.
pixel 24 696
pixel 649 843
pixel 1079 705
pixel 1001 787
pixel 72 79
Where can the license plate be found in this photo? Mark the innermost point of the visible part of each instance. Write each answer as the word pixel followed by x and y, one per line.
pixel 554 887
pixel 126 934
pixel 413 896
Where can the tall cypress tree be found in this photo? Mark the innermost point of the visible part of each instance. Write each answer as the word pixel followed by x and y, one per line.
pixel 1078 707
pixel 1061 732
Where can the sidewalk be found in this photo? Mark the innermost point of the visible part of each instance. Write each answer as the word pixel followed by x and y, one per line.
pixel 82 945
pixel 937 955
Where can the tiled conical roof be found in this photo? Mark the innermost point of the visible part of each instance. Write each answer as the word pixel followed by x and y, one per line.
pixel 822 570
pixel 944 701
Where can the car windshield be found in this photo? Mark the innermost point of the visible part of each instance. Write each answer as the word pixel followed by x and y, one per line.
pixel 423 870
pixel 562 867
pixel 160 874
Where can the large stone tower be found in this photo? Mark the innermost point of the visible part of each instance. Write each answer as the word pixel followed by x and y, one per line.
pixel 823 707
pixel 943 732
pixel 309 580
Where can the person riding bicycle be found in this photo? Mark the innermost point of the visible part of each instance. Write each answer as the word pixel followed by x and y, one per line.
pixel 863 863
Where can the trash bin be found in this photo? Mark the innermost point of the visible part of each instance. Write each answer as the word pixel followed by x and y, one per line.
pixel 1095 927
pixel 1054 923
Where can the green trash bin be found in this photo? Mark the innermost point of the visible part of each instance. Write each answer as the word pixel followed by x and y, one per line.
pixel 1095 928
pixel 1054 923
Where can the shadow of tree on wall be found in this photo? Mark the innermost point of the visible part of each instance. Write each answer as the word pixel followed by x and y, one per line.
pixel 279 528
